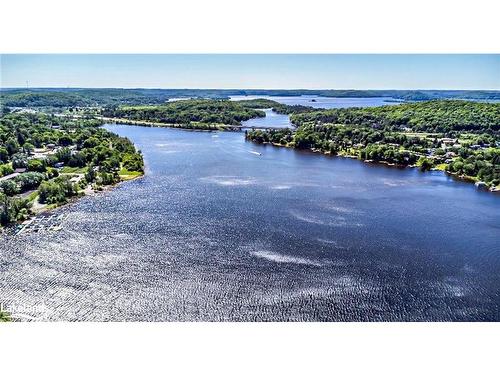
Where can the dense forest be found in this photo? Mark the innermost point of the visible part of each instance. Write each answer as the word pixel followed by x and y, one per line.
pixel 84 97
pixel 187 112
pixel 43 156
pixel 443 116
pixel 78 98
pixel 258 103
pixel 408 134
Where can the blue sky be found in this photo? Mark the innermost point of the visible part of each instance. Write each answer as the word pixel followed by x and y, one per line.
pixel 253 71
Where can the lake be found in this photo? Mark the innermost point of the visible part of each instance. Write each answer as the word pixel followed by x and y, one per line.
pixel 272 120
pixel 275 120
pixel 321 101
pixel 216 232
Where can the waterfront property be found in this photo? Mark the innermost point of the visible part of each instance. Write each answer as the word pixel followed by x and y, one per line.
pixel 43 165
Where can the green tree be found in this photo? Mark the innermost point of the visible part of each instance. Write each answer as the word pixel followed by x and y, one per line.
pixel 425 164
pixel 56 191
pixel 36 165
pixel 9 187
pixel 28 148
pixel 4 155
pixel 12 146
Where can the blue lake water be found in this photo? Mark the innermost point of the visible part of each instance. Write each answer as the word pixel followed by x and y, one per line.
pixel 276 120
pixel 217 232
pixel 272 120
pixel 323 102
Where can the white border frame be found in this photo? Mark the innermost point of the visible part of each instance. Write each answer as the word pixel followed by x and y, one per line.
pixel 258 26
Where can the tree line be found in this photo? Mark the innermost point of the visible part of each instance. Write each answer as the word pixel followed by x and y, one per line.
pixel 441 116
pixel 81 97
pixel 187 112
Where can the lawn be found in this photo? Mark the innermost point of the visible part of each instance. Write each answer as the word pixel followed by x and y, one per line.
pixel 74 170
pixel 125 174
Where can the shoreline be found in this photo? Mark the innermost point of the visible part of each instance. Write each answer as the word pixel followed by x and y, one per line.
pixel 76 167
pixel 150 124
pixel 464 178
pixel 48 209
pixel 210 127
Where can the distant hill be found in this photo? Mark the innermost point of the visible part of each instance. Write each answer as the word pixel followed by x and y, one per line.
pixel 84 97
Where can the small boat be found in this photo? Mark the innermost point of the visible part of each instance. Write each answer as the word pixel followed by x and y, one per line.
pixel 255 153
pixel 481 185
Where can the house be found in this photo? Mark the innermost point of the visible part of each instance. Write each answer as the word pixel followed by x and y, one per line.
pixel 445 142
pixel 448 140
pixel 39 155
pixel 450 154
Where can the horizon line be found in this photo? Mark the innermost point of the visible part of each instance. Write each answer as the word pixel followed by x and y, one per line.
pixel 242 89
